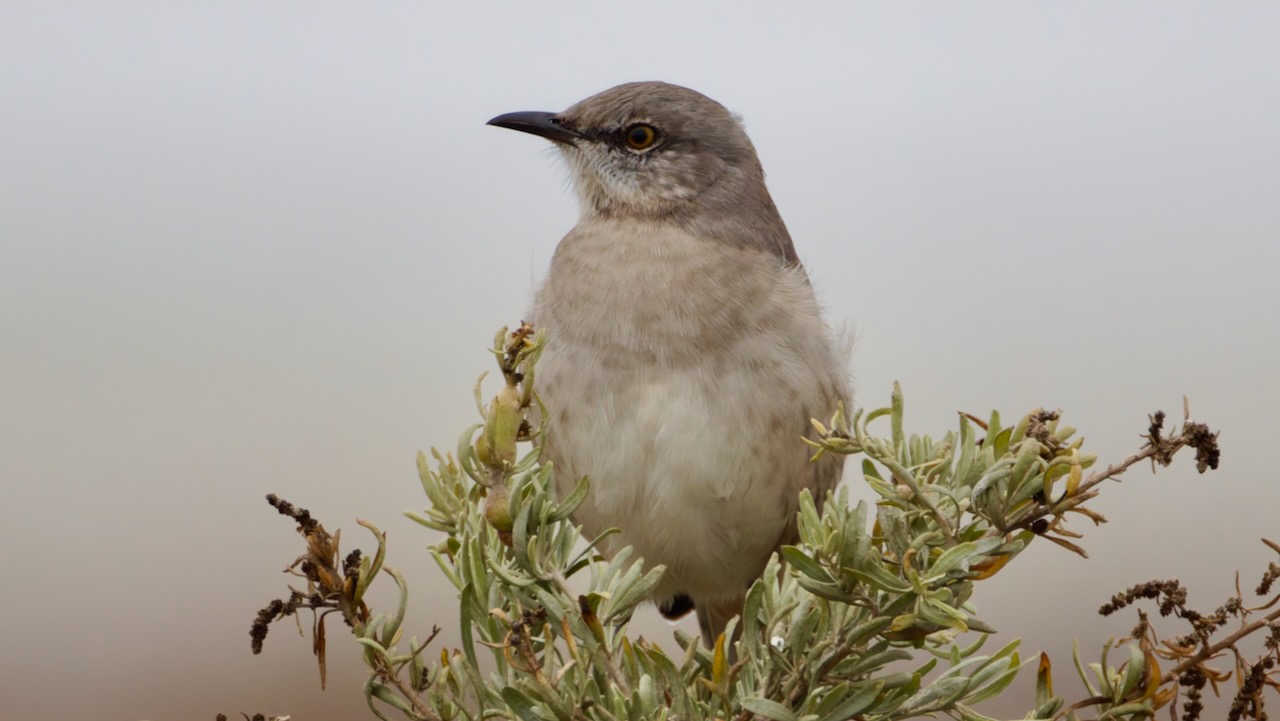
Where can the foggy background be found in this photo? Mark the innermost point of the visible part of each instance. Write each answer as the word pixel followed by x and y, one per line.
pixel 262 247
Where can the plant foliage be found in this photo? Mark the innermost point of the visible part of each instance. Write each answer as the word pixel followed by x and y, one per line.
pixel 867 617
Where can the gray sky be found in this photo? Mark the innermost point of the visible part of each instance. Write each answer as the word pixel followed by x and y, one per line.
pixel 261 247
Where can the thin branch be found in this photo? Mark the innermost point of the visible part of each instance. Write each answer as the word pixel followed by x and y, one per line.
pixel 406 691
pixel 1116 469
pixel 1208 652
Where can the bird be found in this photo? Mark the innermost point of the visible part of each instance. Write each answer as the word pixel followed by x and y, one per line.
pixel 685 352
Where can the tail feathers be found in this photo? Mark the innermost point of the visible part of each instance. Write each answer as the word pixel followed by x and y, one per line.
pixel 676 607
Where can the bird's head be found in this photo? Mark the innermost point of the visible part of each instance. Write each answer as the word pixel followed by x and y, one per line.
pixel 650 149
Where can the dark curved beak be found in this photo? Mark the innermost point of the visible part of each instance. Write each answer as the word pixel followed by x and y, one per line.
pixel 537 122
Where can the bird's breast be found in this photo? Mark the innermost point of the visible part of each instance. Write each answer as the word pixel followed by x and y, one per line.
pixel 679 375
pixel 654 291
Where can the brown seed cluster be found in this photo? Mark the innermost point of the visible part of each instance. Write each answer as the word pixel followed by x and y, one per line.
pixel 1210 639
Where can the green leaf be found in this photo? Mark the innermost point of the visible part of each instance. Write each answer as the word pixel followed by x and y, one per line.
pixel 393 626
pixel 864 631
pixel 571 502
pixel 372 644
pixel 1139 709
pixel 936 696
pixel 993 427
pixel 980 626
pixel 512 577
pixel 389 697
pixel 468 641
pixel 1133 672
pixel 964 465
pixel 987 686
pixel 1000 443
pixel 829 591
pixel 447 568
pixel 806 564
pixel 941 614
pixel 857 702
pixel 671 679
pixel 968 714
pixel 634 593
pixel 960 557
pixel 519 703
pixel 768 709
pixel 994 475
pixel 1028 457
pixel 871 662
pixel 898 405
pixel 1080 670
pixel 751 610
pixel 879 578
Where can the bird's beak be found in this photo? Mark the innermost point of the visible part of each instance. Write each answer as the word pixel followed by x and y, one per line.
pixel 539 123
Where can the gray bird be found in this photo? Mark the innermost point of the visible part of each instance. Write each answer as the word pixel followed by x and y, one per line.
pixel 685 350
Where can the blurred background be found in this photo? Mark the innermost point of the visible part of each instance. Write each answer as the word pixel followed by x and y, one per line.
pixel 262 247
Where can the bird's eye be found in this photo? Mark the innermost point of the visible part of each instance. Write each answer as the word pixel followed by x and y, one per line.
pixel 641 136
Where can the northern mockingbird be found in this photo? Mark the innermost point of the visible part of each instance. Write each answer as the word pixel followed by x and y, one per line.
pixel 685 350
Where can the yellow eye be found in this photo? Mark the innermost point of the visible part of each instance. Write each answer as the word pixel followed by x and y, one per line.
pixel 641 136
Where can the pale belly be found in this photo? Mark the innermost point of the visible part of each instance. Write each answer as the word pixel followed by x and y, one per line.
pixel 700 468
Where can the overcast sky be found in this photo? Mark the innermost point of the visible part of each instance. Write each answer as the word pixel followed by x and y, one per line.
pixel 262 247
